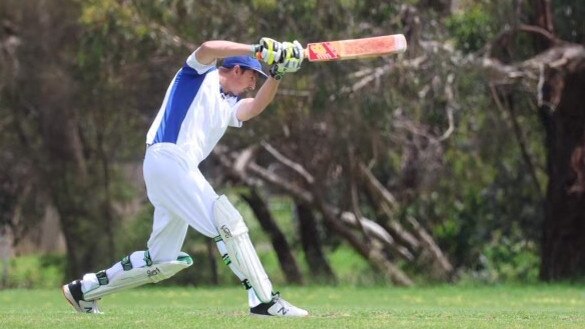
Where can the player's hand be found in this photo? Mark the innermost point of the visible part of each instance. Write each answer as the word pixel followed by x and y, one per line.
pixel 292 58
pixel 277 71
pixel 292 51
pixel 268 50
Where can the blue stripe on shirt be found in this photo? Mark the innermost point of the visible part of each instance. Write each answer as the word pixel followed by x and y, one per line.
pixel 185 88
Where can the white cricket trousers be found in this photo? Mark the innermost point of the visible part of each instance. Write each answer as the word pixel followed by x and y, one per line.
pixel 181 196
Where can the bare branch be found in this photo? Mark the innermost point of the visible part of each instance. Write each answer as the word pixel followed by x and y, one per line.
pixel 299 169
pixel 373 229
pixel 449 108
pixel 519 138
pixel 451 127
pixel 245 157
pixel 270 177
pixel 294 92
pixel 539 30
pixel 430 245
pixel 368 75
pixel 374 184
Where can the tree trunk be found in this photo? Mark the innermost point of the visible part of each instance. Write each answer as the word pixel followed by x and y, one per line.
pixel 71 178
pixel 561 71
pixel 318 264
pixel 287 261
pixel 563 243
pixel 5 254
pixel 543 18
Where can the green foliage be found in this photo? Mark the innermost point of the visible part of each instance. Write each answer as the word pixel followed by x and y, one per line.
pixel 509 261
pixel 111 32
pixel 471 29
pixel 134 232
pixel 35 271
pixel 569 20
pixel 265 5
pixel 351 268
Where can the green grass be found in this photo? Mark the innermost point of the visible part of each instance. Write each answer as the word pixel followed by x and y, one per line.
pixel 540 306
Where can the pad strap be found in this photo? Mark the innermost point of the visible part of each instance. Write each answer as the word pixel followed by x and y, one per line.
pixel 246 284
pixel 147 259
pixel 102 278
pixel 126 263
pixel 226 259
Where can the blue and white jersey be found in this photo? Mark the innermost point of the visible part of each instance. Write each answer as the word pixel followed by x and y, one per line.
pixel 194 114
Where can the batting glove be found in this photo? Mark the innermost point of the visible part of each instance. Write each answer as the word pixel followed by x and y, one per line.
pixel 268 50
pixel 292 51
pixel 292 58
pixel 277 71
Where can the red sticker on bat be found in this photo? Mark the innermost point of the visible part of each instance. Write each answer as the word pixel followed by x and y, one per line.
pixel 323 51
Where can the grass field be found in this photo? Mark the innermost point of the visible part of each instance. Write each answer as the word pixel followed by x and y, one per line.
pixel 541 306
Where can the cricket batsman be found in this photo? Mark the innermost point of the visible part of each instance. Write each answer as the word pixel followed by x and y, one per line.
pixel 200 103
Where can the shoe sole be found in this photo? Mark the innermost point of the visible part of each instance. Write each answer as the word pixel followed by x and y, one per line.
pixel 70 299
pixel 278 316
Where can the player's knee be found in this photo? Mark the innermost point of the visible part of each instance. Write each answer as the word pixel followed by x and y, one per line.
pixel 228 219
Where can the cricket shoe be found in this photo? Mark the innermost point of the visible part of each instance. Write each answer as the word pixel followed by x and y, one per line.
pixel 278 307
pixel 74 296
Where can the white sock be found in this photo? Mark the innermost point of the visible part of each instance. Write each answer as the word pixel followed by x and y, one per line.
pixel 252 298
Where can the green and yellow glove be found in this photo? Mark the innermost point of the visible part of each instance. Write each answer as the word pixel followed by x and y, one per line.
pixel 268 50
pixel 292 58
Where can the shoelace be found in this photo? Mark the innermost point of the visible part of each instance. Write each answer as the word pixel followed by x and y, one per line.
pixel 276 298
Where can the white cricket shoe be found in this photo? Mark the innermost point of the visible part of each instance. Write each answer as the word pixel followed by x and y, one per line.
pixel 278 307
pixel 74 296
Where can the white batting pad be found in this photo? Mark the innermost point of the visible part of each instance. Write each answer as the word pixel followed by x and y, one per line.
pixel 234 232
pixel 139 276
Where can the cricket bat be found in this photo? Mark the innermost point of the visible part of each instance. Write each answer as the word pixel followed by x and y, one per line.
pixel 355 48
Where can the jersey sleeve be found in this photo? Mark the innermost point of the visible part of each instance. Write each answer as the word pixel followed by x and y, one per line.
pixel 234 122
pixel 200 68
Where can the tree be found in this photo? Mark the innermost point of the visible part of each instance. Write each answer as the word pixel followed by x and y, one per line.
pixel 563 246
pixel 69 117
pixel 48 126
pixel 557 74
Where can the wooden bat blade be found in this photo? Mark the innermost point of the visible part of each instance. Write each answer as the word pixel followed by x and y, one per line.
pixel 355 48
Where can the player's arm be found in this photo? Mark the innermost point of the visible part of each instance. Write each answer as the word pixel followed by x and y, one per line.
pixel 268 50
pixel 251 107
pixel 209 51
pixel 292 58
